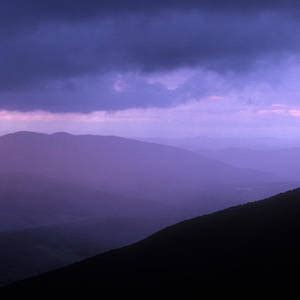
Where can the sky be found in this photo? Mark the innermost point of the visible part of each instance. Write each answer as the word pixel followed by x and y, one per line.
pixel 168 68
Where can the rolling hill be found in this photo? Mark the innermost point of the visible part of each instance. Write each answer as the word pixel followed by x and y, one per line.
pixel 251 246
pixel 172 176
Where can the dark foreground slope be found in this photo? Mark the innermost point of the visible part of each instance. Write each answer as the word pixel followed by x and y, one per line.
pixel 250 246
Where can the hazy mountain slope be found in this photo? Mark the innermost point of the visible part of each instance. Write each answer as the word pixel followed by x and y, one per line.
pixel 33 251
pixel 284 163
pixel 219 143
pixel 250 246
pixel 190 183
pixel 117 164
pixel 81 222
pixel 30 201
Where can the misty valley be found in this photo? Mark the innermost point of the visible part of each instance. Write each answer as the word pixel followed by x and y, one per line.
pixel 65 198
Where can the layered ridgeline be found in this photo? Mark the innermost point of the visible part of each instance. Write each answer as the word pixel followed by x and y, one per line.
pixel 281 161
pixel 252 245
pixel 64 198
pixel 130 168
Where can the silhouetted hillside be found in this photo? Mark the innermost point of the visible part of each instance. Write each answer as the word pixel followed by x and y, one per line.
pixel 253 245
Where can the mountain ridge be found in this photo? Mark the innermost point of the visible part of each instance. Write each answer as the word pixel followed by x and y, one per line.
pixel 129 167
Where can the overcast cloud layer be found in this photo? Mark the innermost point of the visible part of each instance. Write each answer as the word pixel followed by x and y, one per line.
pixel 83 56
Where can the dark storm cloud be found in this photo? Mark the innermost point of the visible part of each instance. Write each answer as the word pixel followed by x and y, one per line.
pixel 46 41
pixel 143 44
pixel 81 9
pixel 19 14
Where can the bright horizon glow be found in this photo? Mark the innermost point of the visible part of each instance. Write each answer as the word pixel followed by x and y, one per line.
pixel 213 116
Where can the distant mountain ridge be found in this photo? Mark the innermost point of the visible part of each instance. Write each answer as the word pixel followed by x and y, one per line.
pixel 24 144
pixel 283 162
pixel 119 165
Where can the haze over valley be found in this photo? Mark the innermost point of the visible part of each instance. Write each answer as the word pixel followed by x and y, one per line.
pixel 65 197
